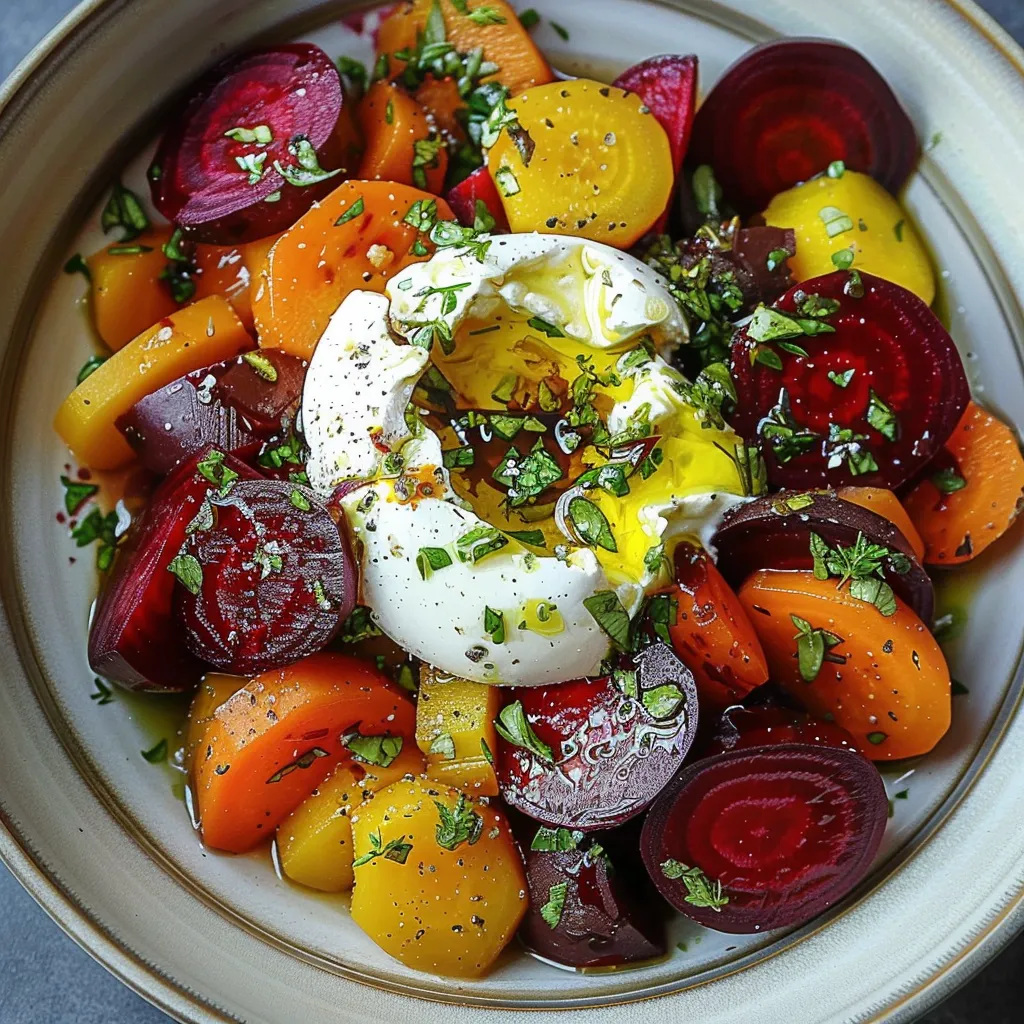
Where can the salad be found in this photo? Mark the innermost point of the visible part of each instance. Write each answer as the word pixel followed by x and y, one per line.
pixel 536 483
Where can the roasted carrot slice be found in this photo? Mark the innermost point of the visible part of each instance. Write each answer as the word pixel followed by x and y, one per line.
pixel 712 634
pixel 501 35
pixel 267 747
pixel 128 293
pixel 974 493
pixel 205 332
pixel 887 505
pixel 401 144
pixel 881 677
pixel 230 271
pixel 441 100
pixel 356 238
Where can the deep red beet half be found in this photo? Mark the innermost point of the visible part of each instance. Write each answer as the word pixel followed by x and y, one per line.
pixel 774 532
pixel 254 147
pixel 787 109
pixel 136 639
pixel 765 838
pixel 266 579
pixel 583 913
pixel 478 187
pixel 236 406
pixel 615 743
pixel 767 725
pixel 870 401
pixel 667 86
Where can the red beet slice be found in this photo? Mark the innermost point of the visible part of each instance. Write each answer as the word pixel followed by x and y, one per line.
pixel 235 406
pixel 668 87
pixel 787 831
pixel 768 725
pixel 479 187
pixel 270 578
pixel 774 532
pixel 136 639
pixel 584 914
pixel 226 188
pixel 784 111
pixel 896 392
pixel 615 743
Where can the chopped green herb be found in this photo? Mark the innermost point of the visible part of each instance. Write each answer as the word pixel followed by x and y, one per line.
pixel 103 694
pixel 300 501
pixel 262 365
pixel 355 75
pixel 429 560
pixel 843 445
pixel 881 417
pixel 396 850
pixel 512 726
pixel 877 738
pixel 555 840
pixel 544 327
pixel 948 481
pixel 124 210
pixel 835 220
pixel 811 647
pixel 494 625
pixel 306 170
pixel 486 16
pixel 528 18
pixel 458 458
pixel 479 542
pixel 76 494
pixel 458 824
pixel 157 753
pixel 768 324
pixel 836 169
pixel 426 154
pixel 776 258
pixel 843 259
pixel 552 910
pixel 376 750
pixel 359 626
pixel 77 265
pixel 815 305
pixel 389 112
pixel 591 524
pixel 898 230
pixel 563 33
pixel 443 746
pixel 211 467
pixel 611 616
pixel 841 380
pixel 102 528
pixel 507 182
pixel 662 612
pixel 663 701
pixel 787 439
pixel 533 537
pixel 357 209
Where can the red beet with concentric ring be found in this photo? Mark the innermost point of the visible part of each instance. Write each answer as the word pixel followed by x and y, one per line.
pixel 816 433
pixel 787 831
pixel 613 751
pixel 277 578
pixel 787 109
pixel 214 171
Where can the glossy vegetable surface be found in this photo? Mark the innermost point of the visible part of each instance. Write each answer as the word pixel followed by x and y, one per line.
pixel 881 677
pixel 357 237
pixel 478 187
pixel 765 838
pixel 888 506
pixel 439 878
pixel 766 725
pixel 789 108
pixel 277 738
pixel 599 167
pixel 866 391
pixel 198 335
pixel 973 492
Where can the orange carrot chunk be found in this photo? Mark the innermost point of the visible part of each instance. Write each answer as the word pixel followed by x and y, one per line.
pixel 974 493
pixel 886 504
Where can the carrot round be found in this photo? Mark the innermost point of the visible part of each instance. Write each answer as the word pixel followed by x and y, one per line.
pixel 882 678
pixel 501 35
pixel 356 237
pixel 230 271
pixel 401 144
pixel 128 293
pixel 712 633
pixel 269 745
pixel 975 492
pixel 887 505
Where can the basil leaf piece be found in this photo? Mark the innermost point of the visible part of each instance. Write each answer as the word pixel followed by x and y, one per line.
pixel 429 560
pixel 76 493
pixel 663 701
pixel 396 850
pixel 460 824
pixel 444 746
pixel 157 753
pixel 881 417
pixel 555 840
pixel 591 524
pixel 188 572
pixel 533 537
pixel 948 481
pixel 375 750
pixel 494 625
pixel 608 612
pixel 512 726
pixel 552 910
pixel 359 625
pixel 357 209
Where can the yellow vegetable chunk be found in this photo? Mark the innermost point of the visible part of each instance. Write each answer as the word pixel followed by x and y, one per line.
pixel 455 729
pixel 441 891
pixel 852 211
pixel 314 842
pixel 213 691
pixel 205 332
pixel 601 167
pixel 128 294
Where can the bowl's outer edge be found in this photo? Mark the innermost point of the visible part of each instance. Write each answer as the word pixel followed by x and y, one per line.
pixel 958 899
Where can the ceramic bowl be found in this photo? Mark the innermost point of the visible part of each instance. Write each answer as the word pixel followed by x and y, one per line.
pixel 102 839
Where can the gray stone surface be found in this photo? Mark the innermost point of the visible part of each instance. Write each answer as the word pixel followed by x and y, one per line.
pixel 44 976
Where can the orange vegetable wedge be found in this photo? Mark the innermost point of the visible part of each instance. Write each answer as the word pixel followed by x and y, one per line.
pixel 600 166
pixel 230 271
pixel 712 634
pixel 441 100
pixel 975 495
pixel 272 743
pixel 504 40
pixel 213 691
pixel 128 294
pixel 401 144
pixel 354 238
pixel 189 339
pixel 881 677
pixel 886 504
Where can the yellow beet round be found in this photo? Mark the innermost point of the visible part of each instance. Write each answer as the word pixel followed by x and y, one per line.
pixel 206 332
pixel 314 842
pixel 860 214
pixel 601 168
pixel 444 911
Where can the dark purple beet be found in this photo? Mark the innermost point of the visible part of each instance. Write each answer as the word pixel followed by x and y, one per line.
pixel 760 278
pixel 234 405
pixel 613 751
pixel 270 579
pixel 786 109
pixel 774 532
pixel 136 639
pixel 860 385
pixel 776 835
pixel 600 923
